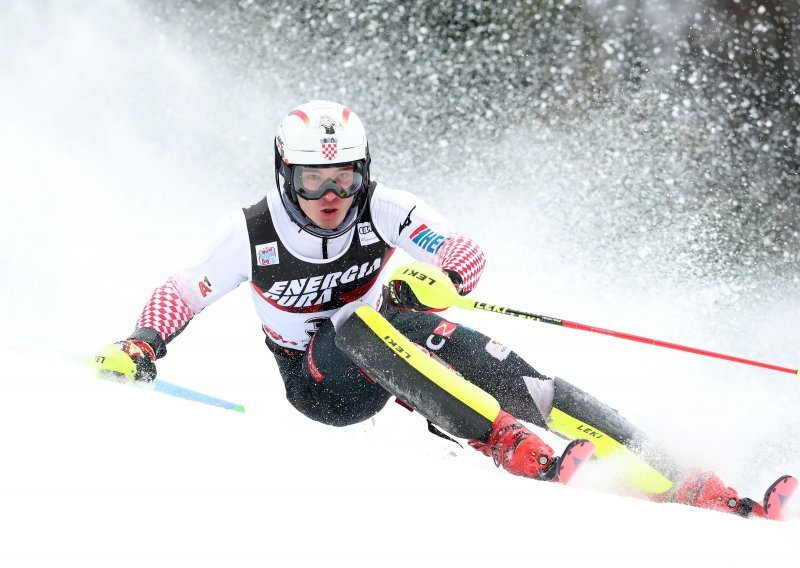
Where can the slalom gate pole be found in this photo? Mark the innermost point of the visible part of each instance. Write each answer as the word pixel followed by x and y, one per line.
pixel 657 342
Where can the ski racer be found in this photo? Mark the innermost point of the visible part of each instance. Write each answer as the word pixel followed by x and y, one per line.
pixel 313 253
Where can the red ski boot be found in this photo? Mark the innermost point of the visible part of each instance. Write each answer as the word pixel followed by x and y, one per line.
pixel 517 449
pixel 705 490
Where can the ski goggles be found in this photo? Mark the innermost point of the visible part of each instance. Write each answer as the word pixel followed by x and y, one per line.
pixel 312 182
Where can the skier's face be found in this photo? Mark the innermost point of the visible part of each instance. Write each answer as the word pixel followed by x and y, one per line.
pixel 329 211
pixel 312 182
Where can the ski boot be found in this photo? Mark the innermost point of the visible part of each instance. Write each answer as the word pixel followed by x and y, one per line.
pixel 521 452
pixel 706 490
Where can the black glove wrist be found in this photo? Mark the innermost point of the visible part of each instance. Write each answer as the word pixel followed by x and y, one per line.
pixel 403 296
pixel 142 356
pixel 152 338
pixel 456 279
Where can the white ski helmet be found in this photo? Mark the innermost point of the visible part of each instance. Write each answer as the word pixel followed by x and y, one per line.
pixel 321 133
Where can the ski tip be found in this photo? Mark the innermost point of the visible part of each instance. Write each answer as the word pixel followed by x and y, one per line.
pixel 777 496
pixel 238 408
pixel 575 455
pixel 582 449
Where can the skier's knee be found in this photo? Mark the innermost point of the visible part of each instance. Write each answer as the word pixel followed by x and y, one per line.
pixel 437 392
pixel 576 414
pixel 542 391
pixel 333 409
pixel 595 417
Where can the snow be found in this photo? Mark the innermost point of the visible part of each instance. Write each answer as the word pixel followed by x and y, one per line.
pixel 120 149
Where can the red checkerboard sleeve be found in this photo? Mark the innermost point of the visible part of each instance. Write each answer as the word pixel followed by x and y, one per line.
pixel 464 256
pixel 166 311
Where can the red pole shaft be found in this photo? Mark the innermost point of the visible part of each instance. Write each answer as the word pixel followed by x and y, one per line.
pixel 669 345
pixel 574 325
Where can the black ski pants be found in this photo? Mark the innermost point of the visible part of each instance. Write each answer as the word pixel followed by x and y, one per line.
pixel 326 386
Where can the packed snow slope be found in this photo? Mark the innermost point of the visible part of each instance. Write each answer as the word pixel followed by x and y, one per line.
pixel 120 150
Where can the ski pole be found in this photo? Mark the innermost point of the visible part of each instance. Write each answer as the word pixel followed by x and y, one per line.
pixel 622 335
pixel 171 389
pixel 433 288
pixel 188 394
pixel 158 385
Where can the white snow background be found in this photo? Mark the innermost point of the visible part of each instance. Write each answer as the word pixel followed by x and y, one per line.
pixel 121 147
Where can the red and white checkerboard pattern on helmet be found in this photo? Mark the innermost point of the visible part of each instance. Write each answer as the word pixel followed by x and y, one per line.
pixel 330 149
pixel 464 256
pixel 166 311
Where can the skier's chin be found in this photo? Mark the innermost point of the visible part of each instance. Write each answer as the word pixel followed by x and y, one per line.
pixel 329 217
pixel 328 223
pixel 326 215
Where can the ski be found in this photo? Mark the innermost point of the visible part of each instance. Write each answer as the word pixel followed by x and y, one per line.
pixel 564 467
pixel 775 499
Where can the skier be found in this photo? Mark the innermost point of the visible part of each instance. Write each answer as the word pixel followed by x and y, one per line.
pixel 313 253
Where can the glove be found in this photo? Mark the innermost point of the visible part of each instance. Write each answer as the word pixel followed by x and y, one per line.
pixel 130 358
pixel 403 296
pixel 402 293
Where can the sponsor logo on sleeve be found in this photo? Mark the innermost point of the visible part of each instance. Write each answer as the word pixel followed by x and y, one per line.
pixel 267 254
pixel 205 287
pixel 366 235
pixel 427 239
pixel 497 350
pixel 407 222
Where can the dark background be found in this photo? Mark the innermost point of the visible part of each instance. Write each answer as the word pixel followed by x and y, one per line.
pixel 684 113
